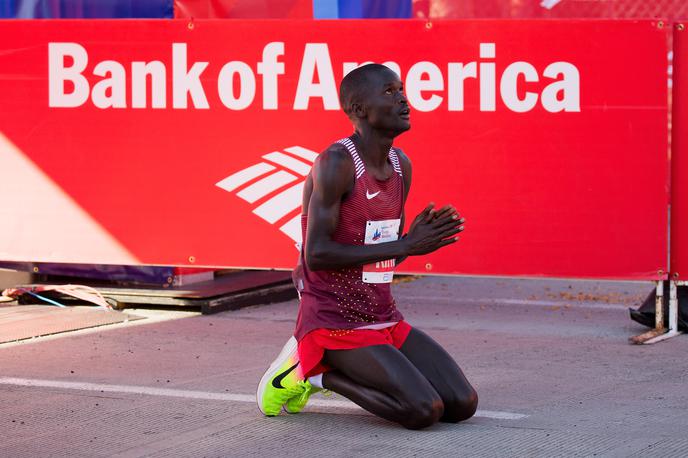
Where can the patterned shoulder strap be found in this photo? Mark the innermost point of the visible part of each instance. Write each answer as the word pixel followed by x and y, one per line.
pixel 394 159
pixel 358 163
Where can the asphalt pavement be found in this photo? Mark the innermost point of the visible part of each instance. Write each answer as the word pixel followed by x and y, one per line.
pixel 550 360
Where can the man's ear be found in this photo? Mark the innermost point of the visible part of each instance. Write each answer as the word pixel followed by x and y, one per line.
pixel 358 110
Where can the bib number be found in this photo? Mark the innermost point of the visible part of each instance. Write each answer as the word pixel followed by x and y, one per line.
pixel 380 232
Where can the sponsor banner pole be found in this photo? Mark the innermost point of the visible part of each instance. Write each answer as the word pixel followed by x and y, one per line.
pixel 679 155
pixel 678 249
pixel 679 174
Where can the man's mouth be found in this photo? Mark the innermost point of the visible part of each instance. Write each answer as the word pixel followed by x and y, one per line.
pixel 405 113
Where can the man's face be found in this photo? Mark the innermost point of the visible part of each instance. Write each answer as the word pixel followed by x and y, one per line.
pixel 385 103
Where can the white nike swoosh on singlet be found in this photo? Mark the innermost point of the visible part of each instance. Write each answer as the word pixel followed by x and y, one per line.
pixel 370 196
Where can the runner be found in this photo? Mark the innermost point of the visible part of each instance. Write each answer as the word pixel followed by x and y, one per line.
pixel 350 338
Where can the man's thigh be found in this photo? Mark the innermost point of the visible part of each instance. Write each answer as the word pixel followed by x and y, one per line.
pixel 440 369
pixel 381 367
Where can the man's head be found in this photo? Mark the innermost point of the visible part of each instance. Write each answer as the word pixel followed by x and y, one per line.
pixel 374 95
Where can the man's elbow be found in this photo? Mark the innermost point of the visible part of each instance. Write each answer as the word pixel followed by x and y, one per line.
pixel 314 259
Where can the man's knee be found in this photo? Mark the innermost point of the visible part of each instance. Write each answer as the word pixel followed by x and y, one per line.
pixel 422 412
pixel 460 406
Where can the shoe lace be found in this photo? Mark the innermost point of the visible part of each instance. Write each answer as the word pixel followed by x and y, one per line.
pixel 300 388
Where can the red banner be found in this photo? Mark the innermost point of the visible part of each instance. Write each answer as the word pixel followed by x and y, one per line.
pixel 244 9
pixel 187 143
pixel 552 9
pixel 679 155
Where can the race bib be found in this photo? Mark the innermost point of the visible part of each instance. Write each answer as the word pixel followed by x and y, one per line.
pixel 380 232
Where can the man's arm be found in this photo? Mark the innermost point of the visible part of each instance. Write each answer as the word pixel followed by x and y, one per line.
pixel 407 174
pixel 333 177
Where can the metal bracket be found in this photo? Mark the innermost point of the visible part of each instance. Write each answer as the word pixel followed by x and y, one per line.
pixel 660 333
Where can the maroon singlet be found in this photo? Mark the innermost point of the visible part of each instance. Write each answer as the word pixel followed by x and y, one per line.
pixel 358 296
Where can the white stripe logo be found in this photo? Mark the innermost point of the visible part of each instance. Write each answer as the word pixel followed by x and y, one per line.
pixel 370 196
pixel 276 187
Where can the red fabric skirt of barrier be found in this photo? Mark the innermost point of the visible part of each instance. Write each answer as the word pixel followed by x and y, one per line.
pixel 187 143
pixel 679 155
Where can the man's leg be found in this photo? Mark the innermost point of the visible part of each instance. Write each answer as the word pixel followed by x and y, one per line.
pixel 383 381
pixel 439 368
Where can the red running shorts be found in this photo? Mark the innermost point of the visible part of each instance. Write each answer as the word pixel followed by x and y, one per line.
pixel 313 345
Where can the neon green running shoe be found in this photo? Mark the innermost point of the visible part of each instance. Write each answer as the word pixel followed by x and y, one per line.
pixel 298 402
pixel 281 381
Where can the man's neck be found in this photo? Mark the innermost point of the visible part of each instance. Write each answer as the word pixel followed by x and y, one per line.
pixel 374 145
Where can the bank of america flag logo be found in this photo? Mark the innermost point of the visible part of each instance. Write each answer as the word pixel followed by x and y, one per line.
pixel 280 180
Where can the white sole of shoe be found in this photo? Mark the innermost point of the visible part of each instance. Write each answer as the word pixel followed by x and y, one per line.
pixel 288 349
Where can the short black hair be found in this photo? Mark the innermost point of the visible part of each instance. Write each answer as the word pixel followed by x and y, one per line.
pixel 355 84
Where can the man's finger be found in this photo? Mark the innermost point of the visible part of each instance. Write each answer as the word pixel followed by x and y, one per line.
pixel 446 232
pixel 446 210
pixel 446 242
pixel 426 210
pixel 429 212
pixel 424 215
pixel 444 220
pixel 451 231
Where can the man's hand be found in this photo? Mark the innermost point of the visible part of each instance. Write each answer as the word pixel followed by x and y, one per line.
pixel 432 229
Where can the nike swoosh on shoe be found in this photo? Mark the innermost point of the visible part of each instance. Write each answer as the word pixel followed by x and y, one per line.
pixel 277 381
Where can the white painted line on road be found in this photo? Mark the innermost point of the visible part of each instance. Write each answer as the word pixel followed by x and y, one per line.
pixel 501 301
pixel 207 395
pixel 152 391
pixel 499 415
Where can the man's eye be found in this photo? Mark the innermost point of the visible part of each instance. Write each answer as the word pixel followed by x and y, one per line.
pixel 388 91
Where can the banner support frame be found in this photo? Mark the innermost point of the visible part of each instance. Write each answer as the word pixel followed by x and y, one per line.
pixel 660 333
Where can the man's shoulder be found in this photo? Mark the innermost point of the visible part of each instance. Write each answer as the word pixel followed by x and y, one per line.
pixel 337 150
pixel 335 154
pixel 335 160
